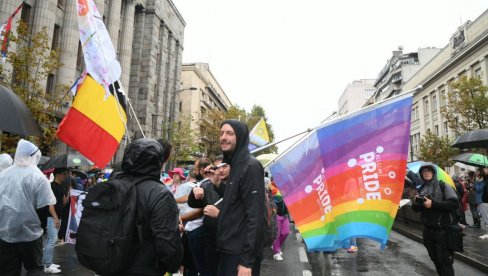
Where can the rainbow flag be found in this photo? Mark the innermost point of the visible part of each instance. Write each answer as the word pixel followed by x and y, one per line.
pixel 95 124
pixel 345 179
pixel 258 136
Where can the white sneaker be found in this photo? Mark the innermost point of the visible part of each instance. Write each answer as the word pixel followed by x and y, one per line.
pixel 485 236
pixel 278 257
pixel 51 270
pixel 55 265
pixel 281 253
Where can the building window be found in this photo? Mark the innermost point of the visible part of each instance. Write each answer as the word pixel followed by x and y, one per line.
pixel 434 103
pixel 436 130
pixel 477 73
pixel 50 84
pixel 56 33
pixel 181 107
pixel 426 106
pixel 443 97
pixel 446 129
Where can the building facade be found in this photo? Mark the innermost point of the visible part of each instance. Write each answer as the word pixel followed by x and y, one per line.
pixel 465 55
pixel 398 70
pixel 148 38
pixel 200 92
pixel 355 95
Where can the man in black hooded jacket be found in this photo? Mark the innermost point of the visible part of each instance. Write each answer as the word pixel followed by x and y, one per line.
pixel 437 205
pixel 241 218
pixel 161 250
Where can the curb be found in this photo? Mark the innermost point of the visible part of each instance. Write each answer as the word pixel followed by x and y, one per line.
pixel 459 256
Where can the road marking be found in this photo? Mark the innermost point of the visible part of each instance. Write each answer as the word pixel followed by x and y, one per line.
pixel 299 237
pixel 303 255
pixel 307 273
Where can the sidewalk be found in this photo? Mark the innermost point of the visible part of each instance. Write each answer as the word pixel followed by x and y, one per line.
pixel 475 249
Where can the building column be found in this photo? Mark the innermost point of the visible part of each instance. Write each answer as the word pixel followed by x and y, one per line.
pixel 127 35
pixel 113 23
pixel 70 37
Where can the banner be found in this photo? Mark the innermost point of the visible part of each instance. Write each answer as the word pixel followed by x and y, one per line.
pixel 345 179
pixel 76 198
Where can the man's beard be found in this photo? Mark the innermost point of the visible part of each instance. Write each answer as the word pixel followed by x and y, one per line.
pixel 199 177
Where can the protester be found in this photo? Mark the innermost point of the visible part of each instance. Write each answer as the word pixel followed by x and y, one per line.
pixel 481 205
pixel 5 161
pixel 460 195
pixel 161 250
pixel 437 205
pixel 240 230
pixel 177 175
pixel 54 219
pixel 473 207
pixel 212 191
pixel 282 220
pixel 192 218
pixel 23 189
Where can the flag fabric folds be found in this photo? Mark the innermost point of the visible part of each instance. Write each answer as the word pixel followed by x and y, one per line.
pixel 258 136
pixel 95 124
pixel 5 32
pixel 98 50
pixel 345 179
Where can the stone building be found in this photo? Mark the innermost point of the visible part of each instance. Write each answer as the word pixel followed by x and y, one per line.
pixel 466 54
pixel 148 37
pixel 200 92
pixel 355 95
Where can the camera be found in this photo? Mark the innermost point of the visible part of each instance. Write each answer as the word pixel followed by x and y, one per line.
pixel 421 198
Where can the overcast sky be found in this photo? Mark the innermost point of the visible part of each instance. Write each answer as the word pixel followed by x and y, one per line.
pixel 295 58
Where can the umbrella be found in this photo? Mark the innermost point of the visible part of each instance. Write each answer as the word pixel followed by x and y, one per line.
pixel 15 117
pixel 472 159
pixel 79 174
pixel 264 159
pixel 72 159
pixel 441 174
pixel 473 139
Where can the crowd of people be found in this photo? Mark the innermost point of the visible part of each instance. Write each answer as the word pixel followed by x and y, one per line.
pixel 206 220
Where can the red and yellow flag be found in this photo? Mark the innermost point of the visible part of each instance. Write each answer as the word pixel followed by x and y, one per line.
pixel 95 124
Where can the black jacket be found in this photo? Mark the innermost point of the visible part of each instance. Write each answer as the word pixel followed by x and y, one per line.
pixel 241 219
pixel 212 194
pixel 161 249
pixel 444 203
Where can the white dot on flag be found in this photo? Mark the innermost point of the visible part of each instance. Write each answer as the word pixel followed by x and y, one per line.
pixel 352 162
pixel 322 218
pixel 308 189
pixel 380 149
pixel 360 200
pixel 392 175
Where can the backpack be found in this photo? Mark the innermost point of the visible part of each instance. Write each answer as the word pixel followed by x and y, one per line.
pixel 107 234
pixel 270 221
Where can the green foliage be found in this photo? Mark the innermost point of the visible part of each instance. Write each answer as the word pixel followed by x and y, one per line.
pixel 437 150
pixel 32 60
pixel 467 107
pixel 184 141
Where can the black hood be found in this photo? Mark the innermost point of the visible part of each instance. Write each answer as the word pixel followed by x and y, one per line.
pixel 241 151
pixel 143 157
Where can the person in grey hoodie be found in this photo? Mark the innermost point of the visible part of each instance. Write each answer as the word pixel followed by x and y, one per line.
pixel 437 204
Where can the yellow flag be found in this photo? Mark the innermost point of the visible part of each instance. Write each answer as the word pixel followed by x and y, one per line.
pixel 259 134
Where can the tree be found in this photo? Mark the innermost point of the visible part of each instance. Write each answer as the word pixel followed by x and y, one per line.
pixel 31 64
pixel 467 105
pixel 184 141
pixel 209 127
pixel 437 150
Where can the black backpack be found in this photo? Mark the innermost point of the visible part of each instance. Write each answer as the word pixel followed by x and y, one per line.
pixel 108 232
pixel 270 221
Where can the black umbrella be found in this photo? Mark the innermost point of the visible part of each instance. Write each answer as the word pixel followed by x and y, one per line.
pixel 472 159
pixel 473 139
pixel 15 117
pixel 67 160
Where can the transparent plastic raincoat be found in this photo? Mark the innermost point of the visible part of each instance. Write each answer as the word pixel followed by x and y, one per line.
pixel 23 189
pixel 5 161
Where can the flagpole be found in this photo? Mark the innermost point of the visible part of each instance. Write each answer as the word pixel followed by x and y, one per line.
pixel 274 143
